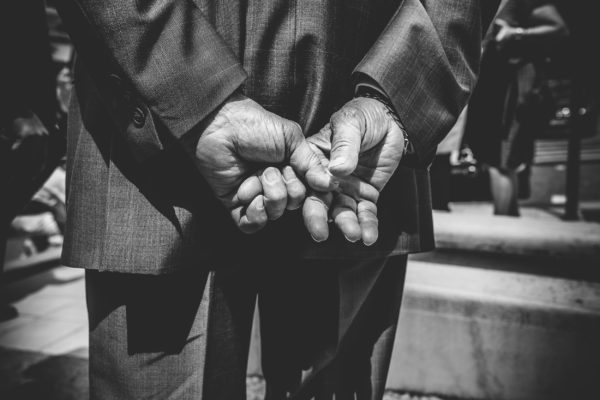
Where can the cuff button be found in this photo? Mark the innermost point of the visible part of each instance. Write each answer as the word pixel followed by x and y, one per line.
pixel 139 117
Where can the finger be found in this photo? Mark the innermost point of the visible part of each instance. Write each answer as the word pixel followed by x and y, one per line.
pixel 310 163
pixel 347 129
pixel 274 191
pixel 315 214
pixel 296 191
pixel 322 139
pixel 318 176
pixel 248 190
pixel 358 189
pixel 307 163
pixel 345 218
pixel 369 223
pixel 252 218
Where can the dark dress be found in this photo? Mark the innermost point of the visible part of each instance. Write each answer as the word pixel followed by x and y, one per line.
pixel 504 113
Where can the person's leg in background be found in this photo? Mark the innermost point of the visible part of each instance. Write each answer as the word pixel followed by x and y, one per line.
pixel 440 182
pixel 177 336
pixel 335 319
pixel 504 186
pixel 440 171
pixel 484 127
pixel 517 150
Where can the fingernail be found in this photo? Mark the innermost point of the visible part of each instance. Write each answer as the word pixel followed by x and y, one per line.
pixel 317 240
pixel 350 240
pixel 260 205
pixel 288 175
pixel 367 243
pixel 271 175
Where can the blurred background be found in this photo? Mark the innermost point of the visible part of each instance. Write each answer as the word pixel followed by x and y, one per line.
pixel 507 307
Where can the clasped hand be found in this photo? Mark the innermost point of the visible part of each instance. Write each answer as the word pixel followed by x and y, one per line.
pixel 260 164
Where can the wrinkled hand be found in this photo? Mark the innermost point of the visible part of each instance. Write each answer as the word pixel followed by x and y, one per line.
pixel 233 150
pixel 364 144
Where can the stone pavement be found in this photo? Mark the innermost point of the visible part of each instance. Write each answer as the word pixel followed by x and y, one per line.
pixel 44 349
pixel 52 315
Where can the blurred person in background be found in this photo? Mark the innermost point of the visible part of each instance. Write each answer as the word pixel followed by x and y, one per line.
pixel 30 142
pixel 446 156
pixel 507 109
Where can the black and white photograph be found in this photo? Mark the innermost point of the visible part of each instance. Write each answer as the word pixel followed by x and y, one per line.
pixel 299 200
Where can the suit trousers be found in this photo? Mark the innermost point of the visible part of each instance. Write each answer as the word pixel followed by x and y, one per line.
pixel 183 335
pixel 327 328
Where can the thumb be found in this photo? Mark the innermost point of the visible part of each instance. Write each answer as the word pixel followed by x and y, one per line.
pixel 322 140
pixel 347 130
pixel 307 161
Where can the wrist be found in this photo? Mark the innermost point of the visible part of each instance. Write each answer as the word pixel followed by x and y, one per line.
pixel 368 92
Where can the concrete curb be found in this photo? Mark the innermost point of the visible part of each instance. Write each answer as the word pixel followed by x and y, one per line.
pixel 517 236
pixel 482 334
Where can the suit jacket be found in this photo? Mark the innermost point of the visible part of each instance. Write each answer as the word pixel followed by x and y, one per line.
pixel 150 72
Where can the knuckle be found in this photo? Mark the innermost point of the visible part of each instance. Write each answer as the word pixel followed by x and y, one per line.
pixel 259 221
pixel 314 207
pixel 345 113
pixel 276 195
pixel 293 128
pixel 297 192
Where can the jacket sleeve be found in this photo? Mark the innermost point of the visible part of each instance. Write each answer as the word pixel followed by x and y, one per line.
pixel 426 60
pixel 153 63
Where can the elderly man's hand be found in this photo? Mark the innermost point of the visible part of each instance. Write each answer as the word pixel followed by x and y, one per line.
pixel 364 144
pixel 240 140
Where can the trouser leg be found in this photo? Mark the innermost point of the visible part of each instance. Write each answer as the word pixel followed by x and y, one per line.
pixel 155 337
pixel 504 187
pixel 231 312
pixel 343 317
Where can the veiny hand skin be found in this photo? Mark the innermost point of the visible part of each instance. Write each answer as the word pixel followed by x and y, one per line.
pixel 242 139
pixel 364 144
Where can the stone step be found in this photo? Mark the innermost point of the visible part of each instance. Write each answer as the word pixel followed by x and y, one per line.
pixel 538 233
pixel 483 334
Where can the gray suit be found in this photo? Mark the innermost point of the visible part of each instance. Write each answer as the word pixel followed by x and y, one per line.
pixel 152 71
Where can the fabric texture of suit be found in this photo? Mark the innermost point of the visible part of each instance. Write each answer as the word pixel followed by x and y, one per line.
pixel 150 73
